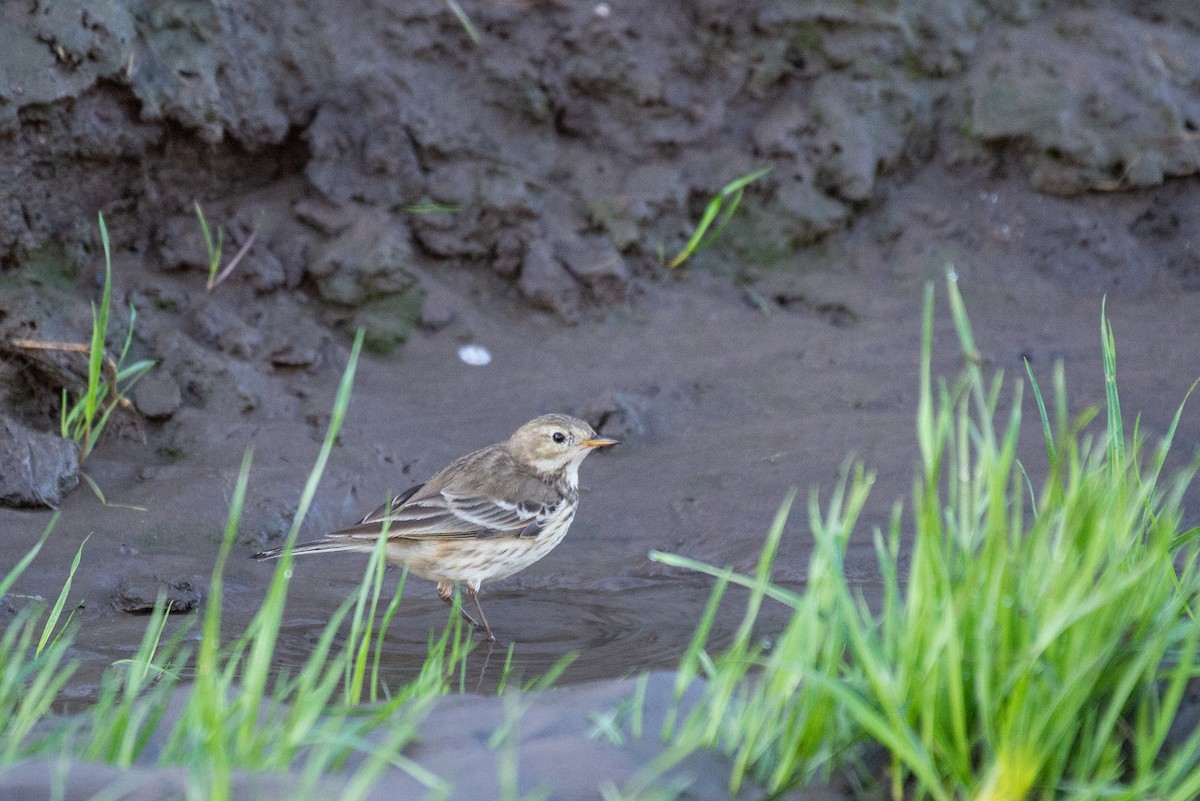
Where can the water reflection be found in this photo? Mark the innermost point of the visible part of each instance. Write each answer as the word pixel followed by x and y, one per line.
pixel 611 633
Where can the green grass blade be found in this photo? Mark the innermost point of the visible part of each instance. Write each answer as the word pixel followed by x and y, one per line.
pixel 384 625
pixel 91 397
pixel 781 594
pixel 56 610
pixel 1047 433
pixel 731 192
pixel 464 20
pixel 1115 438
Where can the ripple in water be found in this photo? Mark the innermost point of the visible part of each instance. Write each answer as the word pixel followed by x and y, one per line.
pixel 613 633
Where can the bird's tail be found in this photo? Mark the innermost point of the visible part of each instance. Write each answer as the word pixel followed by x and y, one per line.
pixel 316 546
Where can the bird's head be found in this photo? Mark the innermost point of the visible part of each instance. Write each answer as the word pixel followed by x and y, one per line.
pixel 555 444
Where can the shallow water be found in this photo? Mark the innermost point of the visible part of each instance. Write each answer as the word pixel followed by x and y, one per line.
pixel 609 634
pixel 733 408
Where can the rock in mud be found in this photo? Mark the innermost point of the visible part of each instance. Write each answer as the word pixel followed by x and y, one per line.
pixel 138 593
pixel 546 284
pixel 438 308
pixel 560 745
pixel 327 218
pixel 597 265
pixel 361 151
pixel 303 352
pixel 260 266
pixel 157 395
pixel 805 214
pixel 36 469
pixel 221 325
pixel 866 129
pixel 371 258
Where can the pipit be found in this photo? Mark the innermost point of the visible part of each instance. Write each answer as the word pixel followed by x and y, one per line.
pixel 484 516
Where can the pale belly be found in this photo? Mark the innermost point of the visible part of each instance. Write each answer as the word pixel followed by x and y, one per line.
pixel 478 560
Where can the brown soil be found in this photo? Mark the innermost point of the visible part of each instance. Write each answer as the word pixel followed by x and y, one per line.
pixel 573 144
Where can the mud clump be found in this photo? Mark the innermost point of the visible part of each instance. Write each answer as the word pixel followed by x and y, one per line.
pixel 157 396
pixel 371 258
pixel 36 469
pixel 138 594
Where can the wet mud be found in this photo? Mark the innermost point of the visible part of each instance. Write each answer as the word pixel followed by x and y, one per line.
pixel 521 194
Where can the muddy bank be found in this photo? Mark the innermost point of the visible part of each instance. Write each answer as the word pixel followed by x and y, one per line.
pixel 568 146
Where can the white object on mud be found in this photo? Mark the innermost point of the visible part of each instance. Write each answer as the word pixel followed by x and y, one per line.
pixel 474 355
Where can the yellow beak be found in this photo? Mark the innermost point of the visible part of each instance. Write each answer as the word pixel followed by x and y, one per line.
pixel 600 442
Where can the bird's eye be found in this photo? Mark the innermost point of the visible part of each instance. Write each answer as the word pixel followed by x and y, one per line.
pixel 559 437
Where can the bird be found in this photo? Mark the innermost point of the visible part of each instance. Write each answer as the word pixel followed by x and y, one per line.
pixel 484 516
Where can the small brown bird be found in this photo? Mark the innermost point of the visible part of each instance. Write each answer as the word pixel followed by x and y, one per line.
pixel 484 516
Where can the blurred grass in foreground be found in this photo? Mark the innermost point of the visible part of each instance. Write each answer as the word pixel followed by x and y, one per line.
pixel 1039 646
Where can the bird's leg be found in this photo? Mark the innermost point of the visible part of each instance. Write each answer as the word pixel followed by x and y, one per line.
pixel 444 592
pixel 474 593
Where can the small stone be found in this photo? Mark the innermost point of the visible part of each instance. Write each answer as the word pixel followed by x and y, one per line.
pixel 295 355
pixel 157 395
pixel 809 213
pixel 220 325
pixel 36 469
pixel 137 594
pixel 239 339
pixel 302 349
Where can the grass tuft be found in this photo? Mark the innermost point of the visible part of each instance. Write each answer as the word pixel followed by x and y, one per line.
pixel 214 246
pixel 108 381
pixel 1038 645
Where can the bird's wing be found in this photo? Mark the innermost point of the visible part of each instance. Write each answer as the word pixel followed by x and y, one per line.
pixel 447 515
pixel 394 504
pixel 482 494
